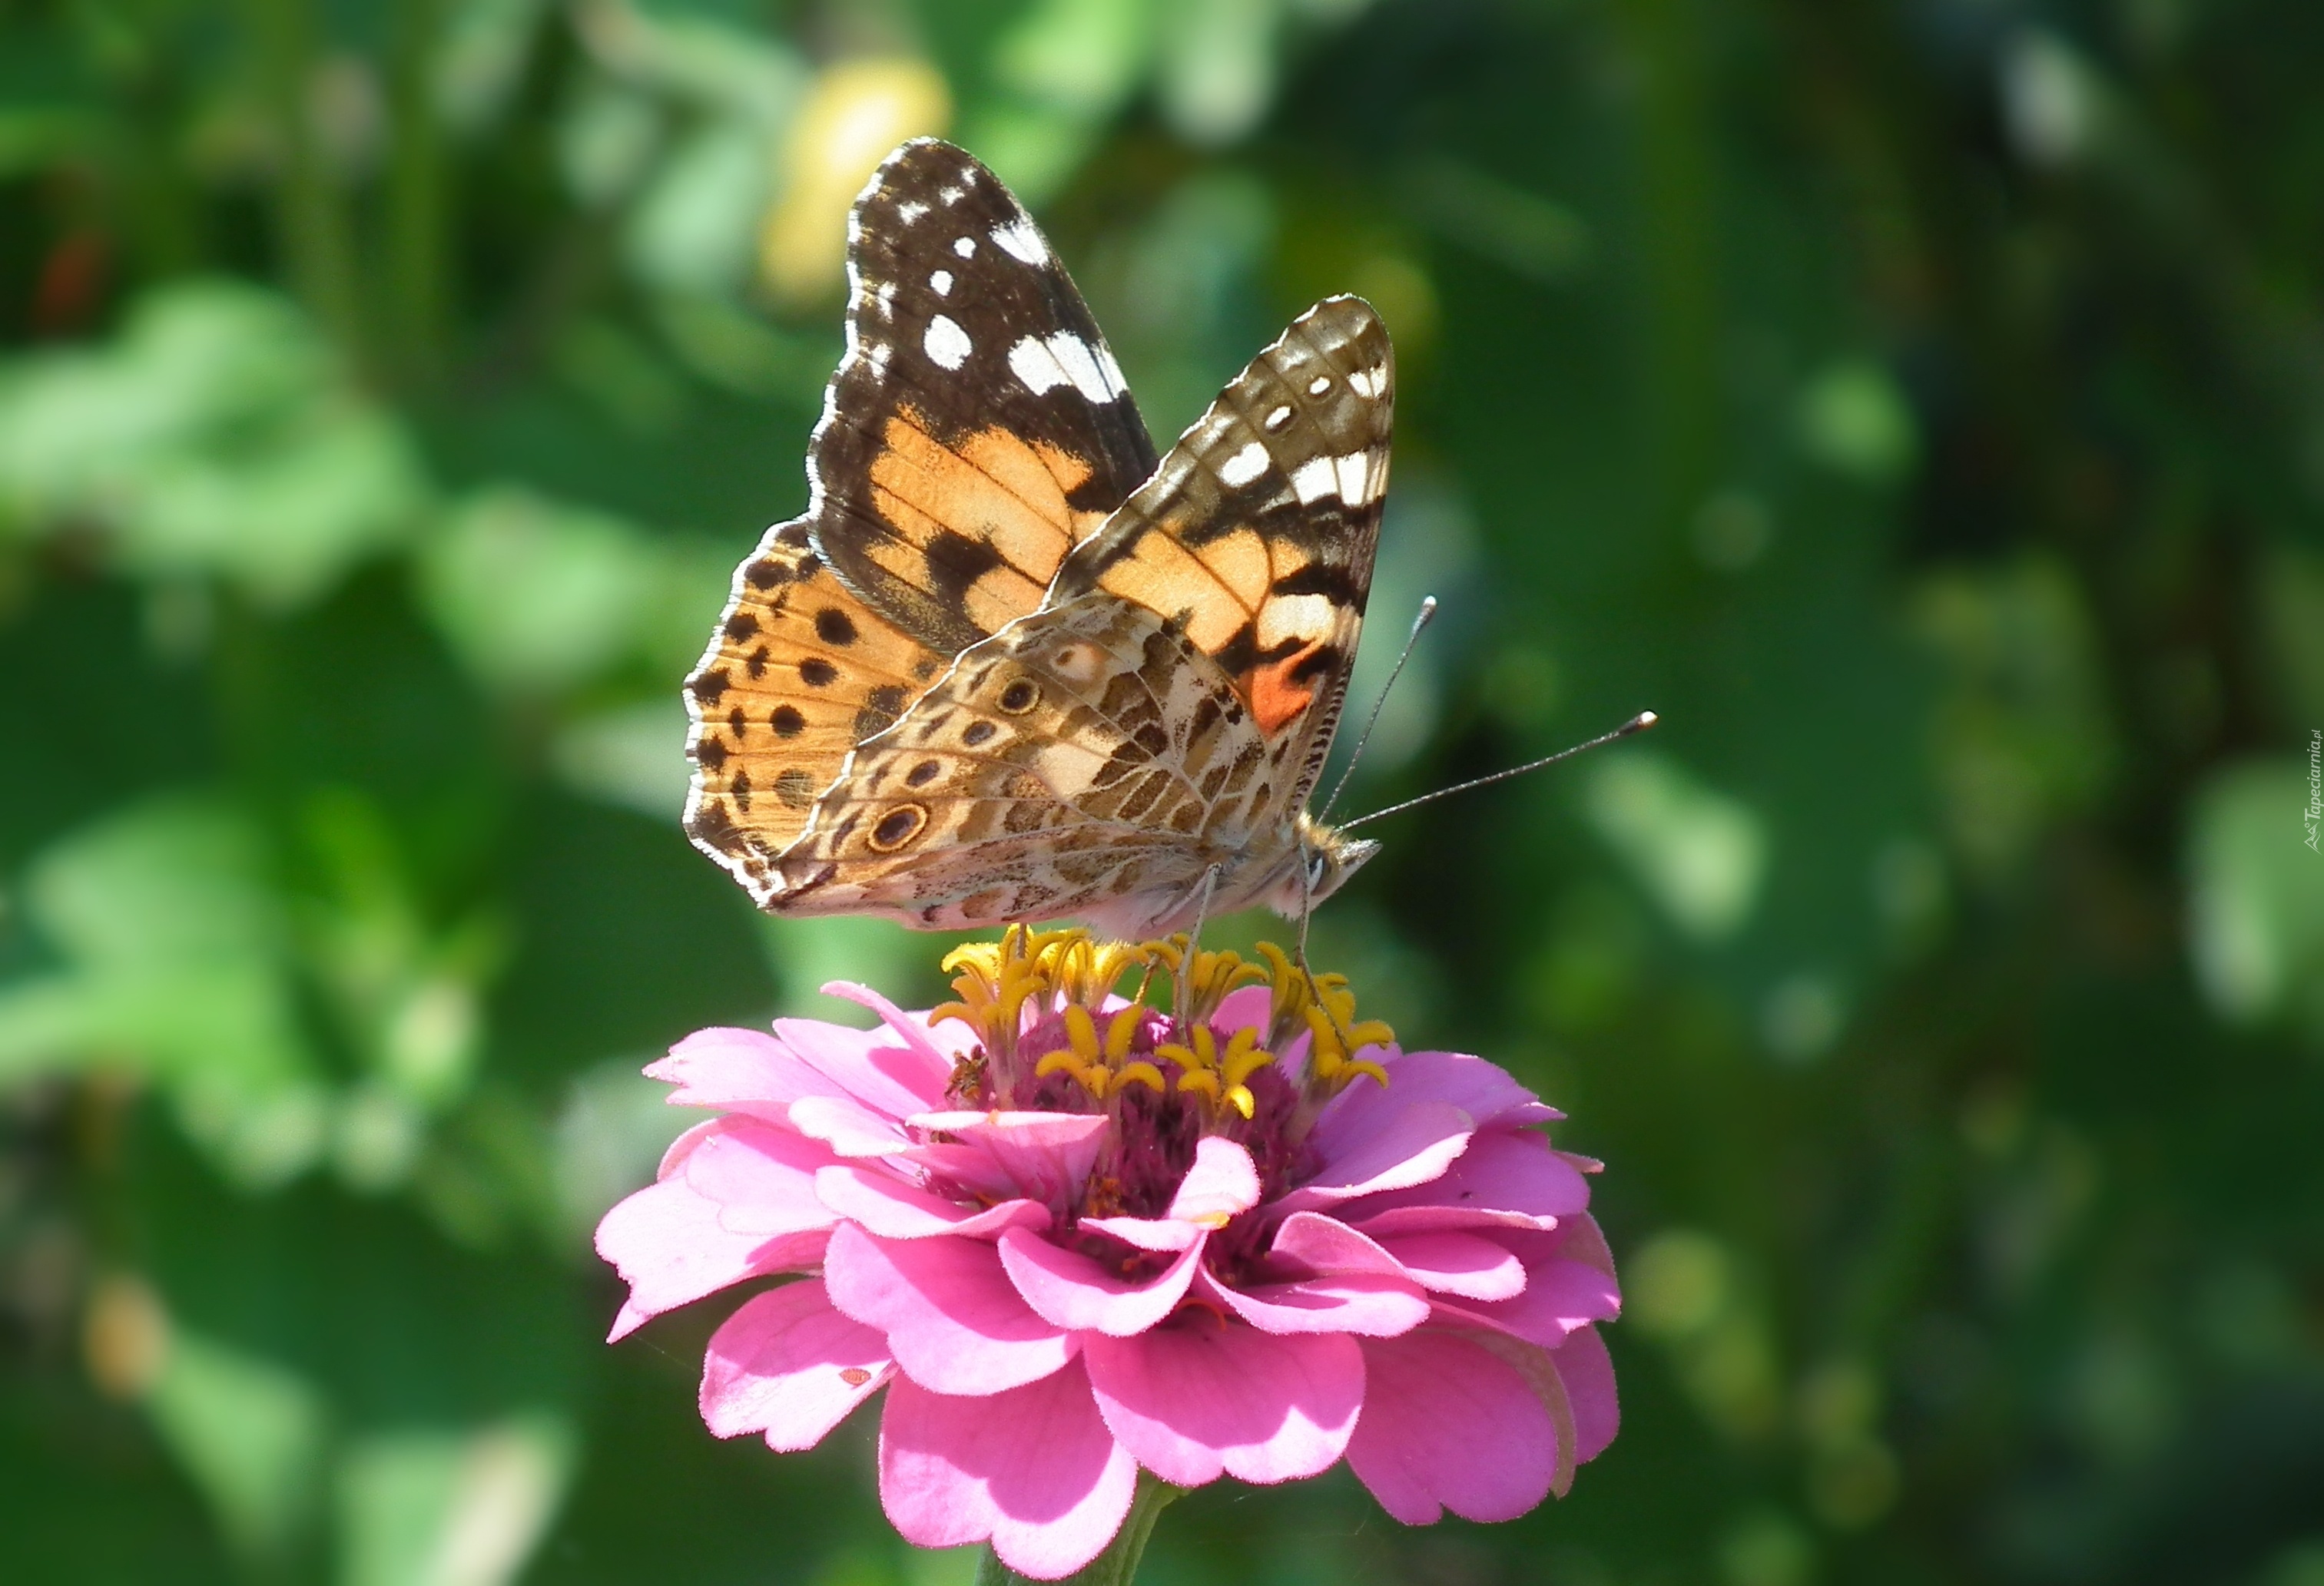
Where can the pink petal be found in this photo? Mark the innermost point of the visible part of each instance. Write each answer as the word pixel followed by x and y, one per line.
pixel 1043 1157
pixel 762 1177
pixel 1070 1290
pixel 954 1321
pixel 1401 1219
pixel 1484 1091
pixel 1368 1303
pixel 892 1209
pixel 1147 1233
pixel 1459 1263
pixel 1244 1008
pixel 1199 1397
pixel 674 1157
pixel 740 1070
pixel 669 1245
pixel 848 1127
pixel 1373 1150
pixel 1504 1170
pixel 869 1065
pixel 1583 1240
pixel 1589 1375
pixel 1452 1263
pixel 1448 1425
pixel 1222 1183
pixel 1034 1469
pixel 1560 1297
pixel 789 1365
pixel 923 1065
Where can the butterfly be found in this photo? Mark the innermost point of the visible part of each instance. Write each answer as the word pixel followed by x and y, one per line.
pixel 1011 665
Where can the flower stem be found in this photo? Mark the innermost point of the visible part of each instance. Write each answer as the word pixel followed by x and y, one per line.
pixel 1118 1564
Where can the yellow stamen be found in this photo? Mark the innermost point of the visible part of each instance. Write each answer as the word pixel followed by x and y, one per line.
pixel 1208 978
pixel 1243 1058
pixel 1085 970
pixel 1120 1030
pixel 1081 1029
pixel 1144 1073
pixel 1201 1055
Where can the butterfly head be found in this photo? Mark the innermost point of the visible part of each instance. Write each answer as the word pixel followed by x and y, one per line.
pixel 1330 858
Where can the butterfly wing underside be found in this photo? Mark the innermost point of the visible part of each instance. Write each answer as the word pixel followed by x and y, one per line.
pixel 942 500
pixel 1169 706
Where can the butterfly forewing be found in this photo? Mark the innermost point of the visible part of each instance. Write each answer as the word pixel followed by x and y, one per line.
pixel 978 426
pixel 1258 530
pixel 943 499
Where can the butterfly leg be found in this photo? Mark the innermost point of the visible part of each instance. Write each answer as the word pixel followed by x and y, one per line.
pixel 1307 905
pixel 1184 988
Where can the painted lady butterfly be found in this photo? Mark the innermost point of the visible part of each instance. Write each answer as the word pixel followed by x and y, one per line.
pixel 1010 665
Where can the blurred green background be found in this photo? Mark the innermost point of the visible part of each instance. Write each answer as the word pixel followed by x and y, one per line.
pixel 1920 403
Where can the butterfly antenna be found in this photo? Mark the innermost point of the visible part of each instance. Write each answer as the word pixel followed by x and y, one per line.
pixel 1427 615
pixel 1636 724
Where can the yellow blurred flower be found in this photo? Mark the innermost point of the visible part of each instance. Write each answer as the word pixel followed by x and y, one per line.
pixel 855 114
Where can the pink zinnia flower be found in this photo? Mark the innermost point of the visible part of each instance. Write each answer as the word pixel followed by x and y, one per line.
pixel 1072 1236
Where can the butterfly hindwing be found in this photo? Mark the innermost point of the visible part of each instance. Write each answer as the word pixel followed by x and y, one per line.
pixel 1087 753
pixel 979 427
pixel 1258 532
pixel 797 672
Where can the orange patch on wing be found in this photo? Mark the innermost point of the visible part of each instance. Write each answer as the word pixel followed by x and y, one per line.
pixel 1274 698
pixel 993 485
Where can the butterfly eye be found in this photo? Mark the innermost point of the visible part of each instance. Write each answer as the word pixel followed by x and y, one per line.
pixel 1319 864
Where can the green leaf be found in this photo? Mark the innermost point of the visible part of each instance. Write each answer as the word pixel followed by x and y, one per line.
pixel 251 1435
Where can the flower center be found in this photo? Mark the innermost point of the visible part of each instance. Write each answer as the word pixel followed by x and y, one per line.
pixel 1055 1034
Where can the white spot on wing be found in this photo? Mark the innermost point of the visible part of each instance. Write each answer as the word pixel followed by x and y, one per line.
pixel 951 196
pixel 1314 479
pixel 1295 616
pixel 1064 359
pixel 964 246
pixel 946 343
pixel 1020 240
pixel 1319 386
pixel 1032 363
pixel 1110 369
pixel 887 297
pixel 1278 419
pixel 878 356
pixel 911 211
pixel 1245 466
pixel 1369 382
pixel 1355 478
pixel 942 282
